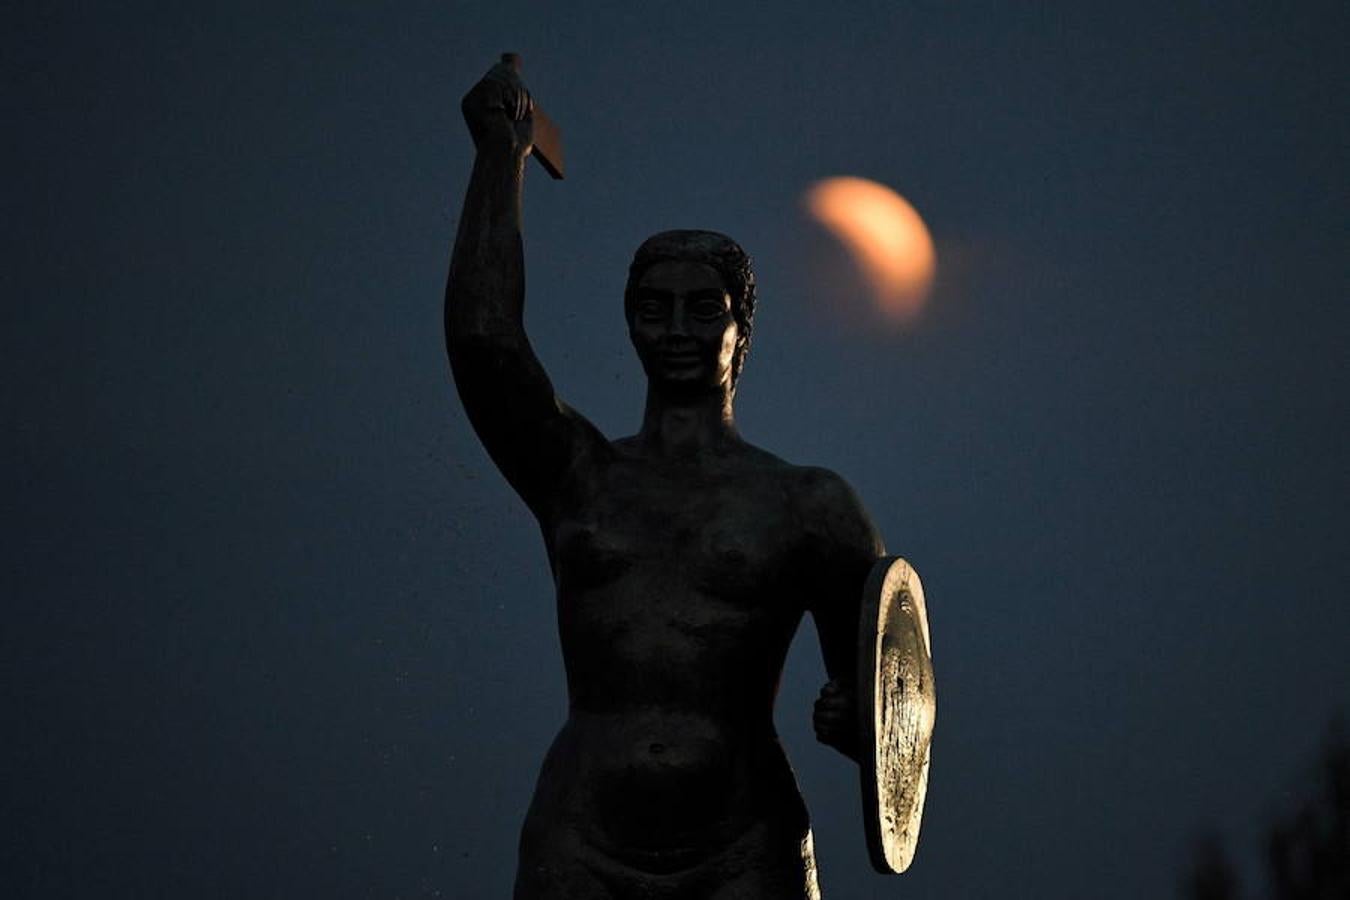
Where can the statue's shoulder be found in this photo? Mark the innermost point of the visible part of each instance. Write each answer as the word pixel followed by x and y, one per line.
pixel 757 458
pixel 815 490
pixel 820 489
pixel 767 468
pixel 833 512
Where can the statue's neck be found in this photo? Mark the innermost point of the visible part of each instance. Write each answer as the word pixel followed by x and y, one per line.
pixel 687 424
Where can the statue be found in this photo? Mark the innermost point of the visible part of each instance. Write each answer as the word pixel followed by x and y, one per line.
pixel 684 559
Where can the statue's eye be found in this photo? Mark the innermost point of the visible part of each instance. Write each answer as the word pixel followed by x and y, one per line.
pixel 709 310
pixel 650 310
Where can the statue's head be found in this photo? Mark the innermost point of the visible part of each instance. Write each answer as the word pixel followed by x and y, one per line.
pixel 694 264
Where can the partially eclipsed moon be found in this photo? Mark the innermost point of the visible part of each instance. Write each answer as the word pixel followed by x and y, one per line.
pixel 886 237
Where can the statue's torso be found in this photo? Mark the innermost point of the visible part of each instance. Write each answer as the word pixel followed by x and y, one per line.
pixel 677 599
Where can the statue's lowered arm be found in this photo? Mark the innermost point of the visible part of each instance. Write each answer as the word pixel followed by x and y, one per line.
pixel 845 545
pixel 879 705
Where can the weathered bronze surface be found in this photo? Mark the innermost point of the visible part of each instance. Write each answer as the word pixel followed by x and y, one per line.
pixel 683 558
pixel 897 705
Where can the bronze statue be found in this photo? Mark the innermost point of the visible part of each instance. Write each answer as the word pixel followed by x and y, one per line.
pixel 684 559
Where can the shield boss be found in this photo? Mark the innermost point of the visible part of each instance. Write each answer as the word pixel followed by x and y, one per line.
pixel 896 708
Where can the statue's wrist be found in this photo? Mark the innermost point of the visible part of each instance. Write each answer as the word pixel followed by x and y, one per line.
pixel 500 145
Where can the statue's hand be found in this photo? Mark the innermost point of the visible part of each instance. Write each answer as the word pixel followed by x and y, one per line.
pixel 836 717
pixel 497 110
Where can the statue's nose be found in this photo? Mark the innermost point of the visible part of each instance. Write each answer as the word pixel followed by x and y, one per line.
pixel 677 326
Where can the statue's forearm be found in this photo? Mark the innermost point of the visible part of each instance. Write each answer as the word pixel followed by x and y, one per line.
pixel 485 293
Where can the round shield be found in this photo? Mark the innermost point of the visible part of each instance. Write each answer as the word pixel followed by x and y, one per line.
pixel 896 709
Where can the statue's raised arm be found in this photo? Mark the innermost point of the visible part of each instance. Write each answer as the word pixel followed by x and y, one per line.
pixel 530 434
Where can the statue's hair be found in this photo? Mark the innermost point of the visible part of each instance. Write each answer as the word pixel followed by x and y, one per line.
pixel 712 249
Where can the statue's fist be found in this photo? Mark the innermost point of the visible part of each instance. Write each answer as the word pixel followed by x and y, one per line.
pixel 836 718
pixel 497 109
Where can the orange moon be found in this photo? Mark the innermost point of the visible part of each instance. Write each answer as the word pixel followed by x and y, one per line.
pixel 885 236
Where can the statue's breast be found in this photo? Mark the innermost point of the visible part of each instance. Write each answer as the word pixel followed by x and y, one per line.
pixel 718 535
pixel 588 554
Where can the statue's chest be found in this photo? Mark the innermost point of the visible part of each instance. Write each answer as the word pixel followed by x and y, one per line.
pixel 716 533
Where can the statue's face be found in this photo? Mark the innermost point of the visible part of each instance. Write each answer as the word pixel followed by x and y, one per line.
pixel 682 325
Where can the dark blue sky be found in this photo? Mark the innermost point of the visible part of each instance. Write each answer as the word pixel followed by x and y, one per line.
pixel 276 628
